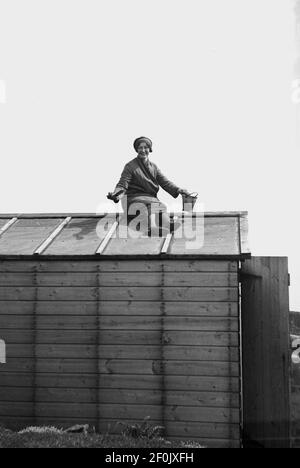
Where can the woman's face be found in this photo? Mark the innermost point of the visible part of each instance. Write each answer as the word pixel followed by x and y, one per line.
pixel 143 150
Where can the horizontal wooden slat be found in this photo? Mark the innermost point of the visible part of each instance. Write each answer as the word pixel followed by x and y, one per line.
pixel 119 266
pixel 129 279
pixel 123 366
pixel 172 382
pixel 183 398
pixel 119 293
pixel 151 337
pixel 170 323
pixel 200 353
pixel 48 409
pixel 119 396
pixel 73 308
pixel 119 381
pixel 172 413
pixel 119 323
pixel 126 366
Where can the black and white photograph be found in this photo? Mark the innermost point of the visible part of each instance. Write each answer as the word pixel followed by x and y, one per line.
pixel 149 231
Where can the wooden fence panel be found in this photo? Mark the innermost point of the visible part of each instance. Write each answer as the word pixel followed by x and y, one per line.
pixel 106 341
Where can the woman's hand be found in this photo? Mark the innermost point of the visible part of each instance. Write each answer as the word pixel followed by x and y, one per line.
pixel 183 192
pixel 115 196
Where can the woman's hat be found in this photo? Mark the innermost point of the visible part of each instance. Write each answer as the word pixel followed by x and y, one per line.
pixel 139 140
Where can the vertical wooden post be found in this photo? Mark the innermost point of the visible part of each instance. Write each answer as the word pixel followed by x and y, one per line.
pixel 295 378
pixel 266 357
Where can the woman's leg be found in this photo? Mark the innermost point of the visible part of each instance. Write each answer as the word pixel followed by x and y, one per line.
pixel 135 216
pixel 153 218
pixel 160 221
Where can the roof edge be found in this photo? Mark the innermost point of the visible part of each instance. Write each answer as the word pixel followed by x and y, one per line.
pixel 94 257
pixel 99 215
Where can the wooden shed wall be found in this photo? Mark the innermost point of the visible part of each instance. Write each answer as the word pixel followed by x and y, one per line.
pixel 105 341
pixel 295 380
pixel 266 352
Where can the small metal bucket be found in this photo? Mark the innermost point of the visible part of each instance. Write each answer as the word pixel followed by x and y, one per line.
pixel 188 201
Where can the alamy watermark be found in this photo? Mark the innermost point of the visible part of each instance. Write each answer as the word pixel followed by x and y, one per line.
pixel 2 352
pixel 151 220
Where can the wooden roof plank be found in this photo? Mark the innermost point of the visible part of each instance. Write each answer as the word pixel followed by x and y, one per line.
pixel 52 236
pixel 25 235
pixel 142 245
pixel 81 235
pixel 2 223
pixel 8 225
pixel 107 238
pixel 166 244
pixel 211 236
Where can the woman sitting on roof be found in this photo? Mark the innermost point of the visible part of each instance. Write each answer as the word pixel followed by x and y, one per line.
pixel 140 182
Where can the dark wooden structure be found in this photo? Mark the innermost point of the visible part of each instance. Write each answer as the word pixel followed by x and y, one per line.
pixel 295 378
pixel 266 352
pixel 101 329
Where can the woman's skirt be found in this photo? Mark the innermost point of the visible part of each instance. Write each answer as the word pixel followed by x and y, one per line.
pixel 133 204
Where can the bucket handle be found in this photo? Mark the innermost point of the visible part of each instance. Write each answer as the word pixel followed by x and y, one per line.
pixel 193 194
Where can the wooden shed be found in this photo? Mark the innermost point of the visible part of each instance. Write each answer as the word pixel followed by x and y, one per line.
pixel 101 329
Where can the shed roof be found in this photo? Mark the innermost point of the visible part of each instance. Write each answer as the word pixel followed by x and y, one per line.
pixel 81 235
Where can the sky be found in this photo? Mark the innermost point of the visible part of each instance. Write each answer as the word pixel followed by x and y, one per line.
pixel 209 81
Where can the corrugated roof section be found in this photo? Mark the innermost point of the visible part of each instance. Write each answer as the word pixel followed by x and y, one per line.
pixel 211 235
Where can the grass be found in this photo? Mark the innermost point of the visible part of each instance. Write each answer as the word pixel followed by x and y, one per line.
pixel 137 436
